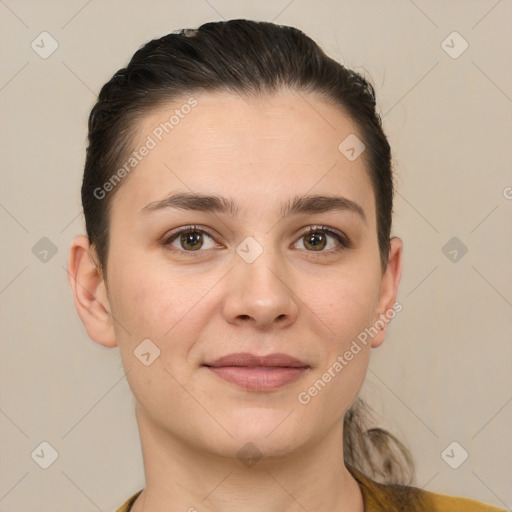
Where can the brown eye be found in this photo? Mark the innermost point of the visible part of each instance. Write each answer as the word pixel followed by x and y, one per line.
pixel 190 240
pixel 316 241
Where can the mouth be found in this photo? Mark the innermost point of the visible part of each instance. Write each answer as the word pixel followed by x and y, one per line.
pixel 258 373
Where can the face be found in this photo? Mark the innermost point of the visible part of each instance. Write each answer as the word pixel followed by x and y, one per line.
pixel 261 278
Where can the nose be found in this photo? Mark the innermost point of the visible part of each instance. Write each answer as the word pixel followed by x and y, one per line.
pixel 260 293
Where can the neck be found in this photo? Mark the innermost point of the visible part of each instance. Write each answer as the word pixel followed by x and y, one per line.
pixel 182 477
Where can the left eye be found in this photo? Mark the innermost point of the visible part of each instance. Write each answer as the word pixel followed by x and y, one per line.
pixel 317 238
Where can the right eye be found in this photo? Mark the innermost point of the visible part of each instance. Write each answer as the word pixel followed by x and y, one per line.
pixel 188 239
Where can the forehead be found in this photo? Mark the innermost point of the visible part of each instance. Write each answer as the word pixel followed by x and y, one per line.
pixel 259 149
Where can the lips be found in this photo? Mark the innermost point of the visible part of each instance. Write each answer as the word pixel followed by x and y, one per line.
pixel 258 373
pixel 245 359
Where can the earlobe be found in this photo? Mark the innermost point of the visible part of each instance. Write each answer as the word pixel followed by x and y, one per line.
pixel 386 308
pixel 89 292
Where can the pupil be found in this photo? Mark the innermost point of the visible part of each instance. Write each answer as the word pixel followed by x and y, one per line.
pixel 191 239
pixel 318 240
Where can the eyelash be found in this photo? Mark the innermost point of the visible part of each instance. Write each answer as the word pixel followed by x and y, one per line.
pixel 340 237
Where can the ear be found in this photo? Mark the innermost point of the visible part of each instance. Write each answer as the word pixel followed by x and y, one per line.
pixel 388 291
pixel 89 292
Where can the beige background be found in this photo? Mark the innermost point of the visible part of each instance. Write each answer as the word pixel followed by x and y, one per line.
pixel 443 374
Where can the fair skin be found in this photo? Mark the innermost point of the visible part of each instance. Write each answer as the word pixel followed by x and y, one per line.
pixel 198 305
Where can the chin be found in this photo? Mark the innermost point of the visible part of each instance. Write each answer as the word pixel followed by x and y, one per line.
pixel 250 449
pixel 275 432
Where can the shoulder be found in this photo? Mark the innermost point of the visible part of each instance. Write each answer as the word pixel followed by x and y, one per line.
pixel 445 503
pixel 127 505
pixel 380 497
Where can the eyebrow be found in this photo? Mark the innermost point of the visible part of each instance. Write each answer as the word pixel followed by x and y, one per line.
pixel 219 204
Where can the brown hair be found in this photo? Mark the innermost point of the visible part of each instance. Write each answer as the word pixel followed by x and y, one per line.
pixel 249 57
pixel 374 451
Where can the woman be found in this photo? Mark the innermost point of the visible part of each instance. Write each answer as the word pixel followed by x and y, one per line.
pixel 238 196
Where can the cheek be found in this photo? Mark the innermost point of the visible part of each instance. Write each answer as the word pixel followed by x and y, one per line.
pixel 168 308
pixel 147 303
pixel 340 308
pixel 341 315
pixel 344 305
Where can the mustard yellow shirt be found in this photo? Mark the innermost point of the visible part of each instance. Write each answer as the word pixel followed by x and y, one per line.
pixel 379 497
